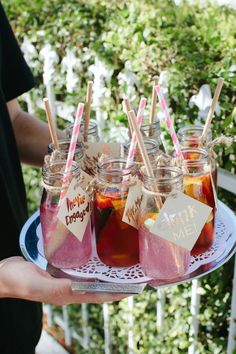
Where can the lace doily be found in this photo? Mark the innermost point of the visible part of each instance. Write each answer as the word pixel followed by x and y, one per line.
pixel 96 269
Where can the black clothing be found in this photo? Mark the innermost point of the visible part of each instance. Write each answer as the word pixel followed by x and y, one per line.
pixel 20 320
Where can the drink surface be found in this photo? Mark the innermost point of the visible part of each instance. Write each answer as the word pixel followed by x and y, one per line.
pixel 117 242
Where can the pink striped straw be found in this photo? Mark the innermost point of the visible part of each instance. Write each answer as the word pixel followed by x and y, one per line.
pixel 73 142
pixel 133 144
pixel 169 122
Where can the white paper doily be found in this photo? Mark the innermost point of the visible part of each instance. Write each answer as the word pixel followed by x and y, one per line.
pixel 95 269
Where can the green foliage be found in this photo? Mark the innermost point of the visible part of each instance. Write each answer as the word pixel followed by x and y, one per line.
pixel 195 45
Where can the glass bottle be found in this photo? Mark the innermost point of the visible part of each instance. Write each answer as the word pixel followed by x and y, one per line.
pixel 116 241
pixel 152 131
pixel 91 133
pixel 197 184
pixel 152 148
pixel 61 248
pixel 64 145
pixel 159 258
pixel 189 136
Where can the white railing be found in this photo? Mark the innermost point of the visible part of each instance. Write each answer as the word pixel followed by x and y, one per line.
pixel 226 180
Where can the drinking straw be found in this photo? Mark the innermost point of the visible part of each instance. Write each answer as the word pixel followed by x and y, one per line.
pixel 87 108
pixel 143 151
pixel 211 112
pixel 153 102
pixel 59 229
pixel 51 123
pixel 169 122
pixel 133 144
pixel 73 142
pixel 128 108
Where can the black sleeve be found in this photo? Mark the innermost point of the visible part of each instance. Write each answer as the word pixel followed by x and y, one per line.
pixel 16 76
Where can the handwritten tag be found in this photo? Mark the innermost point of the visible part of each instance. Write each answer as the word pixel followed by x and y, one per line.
pixel 181 220
pixel 75 210
pixel 133 204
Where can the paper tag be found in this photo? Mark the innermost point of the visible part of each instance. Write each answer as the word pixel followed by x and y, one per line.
pixel 75 210
pixel 93 152
pixel 84 180
pixel 181 220
pixel 133 203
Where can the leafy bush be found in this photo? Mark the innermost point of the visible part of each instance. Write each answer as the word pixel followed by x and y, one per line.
pixel 195 45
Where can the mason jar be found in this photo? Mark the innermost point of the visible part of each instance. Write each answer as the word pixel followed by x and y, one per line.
pixel 64 145
pixel 152 148
pixel 62 248
pixel 190 136
pixel 116 241
pixel 89 135
pixel 198 185
pixel 160 258
pixel 151 131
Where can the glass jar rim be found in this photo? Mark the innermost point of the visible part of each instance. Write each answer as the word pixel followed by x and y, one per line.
pixel 177 175
pixel 104 169
pixel 59 174
pixel 79 144
pixel 92 127
pixel 152 148
pixel 187 129
pixel 146 124
pixel 203 155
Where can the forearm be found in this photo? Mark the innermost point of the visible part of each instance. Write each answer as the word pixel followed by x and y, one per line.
pixel 32 135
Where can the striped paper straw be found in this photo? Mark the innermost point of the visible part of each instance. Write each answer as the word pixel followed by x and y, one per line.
pixel 73 142
pixel 169 122
pixel 133 143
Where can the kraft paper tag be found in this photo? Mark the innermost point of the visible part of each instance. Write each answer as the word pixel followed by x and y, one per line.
pixel 181 220
pixel 84 180
pixel 133 204
pixel 93 152
pixel 75 210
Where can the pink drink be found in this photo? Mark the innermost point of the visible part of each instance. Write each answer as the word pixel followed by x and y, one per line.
pixel 70 252
pixel 161 259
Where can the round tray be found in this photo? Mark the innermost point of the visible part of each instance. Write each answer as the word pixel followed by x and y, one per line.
pixel 222 250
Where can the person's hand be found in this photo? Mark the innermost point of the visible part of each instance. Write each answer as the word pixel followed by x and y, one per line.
pixel 25 280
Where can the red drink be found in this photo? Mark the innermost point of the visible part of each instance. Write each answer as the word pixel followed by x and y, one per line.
pixel 117 242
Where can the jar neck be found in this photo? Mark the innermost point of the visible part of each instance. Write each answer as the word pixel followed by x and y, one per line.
pixel 54 175
pixel 165 180
pixel 114 171
pixel 190 135
pixel 196 160
pixel 64 148
pixel 151 145
pixel 150 130
pixel 91 133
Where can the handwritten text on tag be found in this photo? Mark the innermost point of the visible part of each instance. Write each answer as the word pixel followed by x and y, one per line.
pixel 181 220
pixel 75 210
pixel 133 204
